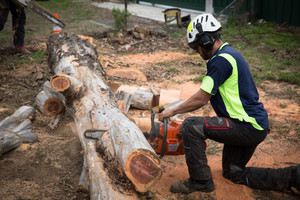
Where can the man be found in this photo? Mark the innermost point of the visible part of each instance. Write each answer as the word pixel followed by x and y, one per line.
pixel 241 122
pixel 18 23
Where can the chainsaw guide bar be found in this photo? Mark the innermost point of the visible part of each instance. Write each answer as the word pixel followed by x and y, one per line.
pixel 41 11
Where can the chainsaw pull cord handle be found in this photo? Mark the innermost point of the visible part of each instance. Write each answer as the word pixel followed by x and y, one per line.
pixel 163 149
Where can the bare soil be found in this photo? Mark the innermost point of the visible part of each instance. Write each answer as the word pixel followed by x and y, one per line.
pixel 50 168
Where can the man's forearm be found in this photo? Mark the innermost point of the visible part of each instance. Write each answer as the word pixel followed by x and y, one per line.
pixel 189 105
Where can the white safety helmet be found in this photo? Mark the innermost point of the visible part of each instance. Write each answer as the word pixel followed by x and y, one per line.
pixel 198 29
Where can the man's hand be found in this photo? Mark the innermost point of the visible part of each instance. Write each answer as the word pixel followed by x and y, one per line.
pixel 166 114
pixel 196 101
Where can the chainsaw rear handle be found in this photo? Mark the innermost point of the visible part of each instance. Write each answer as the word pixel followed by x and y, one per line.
pixel 156 132
pixel 163 148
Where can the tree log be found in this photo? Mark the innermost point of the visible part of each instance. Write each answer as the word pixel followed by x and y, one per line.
pixel 124 100
pixel 141 98
pixel 96 108
pixel 168 96
pixel 49 101
pixel 127 73
pixel 143 123
pixel 16 129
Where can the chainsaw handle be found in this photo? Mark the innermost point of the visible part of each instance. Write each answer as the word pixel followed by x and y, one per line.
pixel 163 148
pixel 152 117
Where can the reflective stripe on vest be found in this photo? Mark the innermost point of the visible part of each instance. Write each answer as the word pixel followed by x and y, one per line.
pixel 229 91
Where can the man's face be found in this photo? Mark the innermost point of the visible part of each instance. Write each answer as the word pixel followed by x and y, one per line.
pixel 204 53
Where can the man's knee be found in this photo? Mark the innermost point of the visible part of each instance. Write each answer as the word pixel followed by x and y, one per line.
pixel 192 127
pixel 195 126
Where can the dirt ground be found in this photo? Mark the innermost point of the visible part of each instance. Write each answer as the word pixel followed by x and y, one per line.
pixel 50 168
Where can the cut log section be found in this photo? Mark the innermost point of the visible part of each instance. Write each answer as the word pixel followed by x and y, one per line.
pixel 124 100
pixel 141 98
pixel 168 96
pixel 143 123
pixel 60 82
pixel 16 129
pixel 128 73
pixel 95 108
pixel 48 103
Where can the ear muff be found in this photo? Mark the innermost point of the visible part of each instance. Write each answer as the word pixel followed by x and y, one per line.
pixel 204 39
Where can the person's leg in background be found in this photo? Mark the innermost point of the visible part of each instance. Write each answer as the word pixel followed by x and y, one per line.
pixel 3 17
pixel 18 27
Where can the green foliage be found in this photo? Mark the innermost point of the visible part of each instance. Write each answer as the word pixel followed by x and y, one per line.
pixel 24 59
pixel 268 76
pixel 40 153
pixel 289 77
pixel 272 53
pixel 73 11
pixel 179 33
pixel 172 69
pixel 120 17
pixel 198 79
pixel 39 56
pixel 169 66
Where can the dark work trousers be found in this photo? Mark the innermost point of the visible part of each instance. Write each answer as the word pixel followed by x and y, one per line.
pixel 239 145
pixel 18 20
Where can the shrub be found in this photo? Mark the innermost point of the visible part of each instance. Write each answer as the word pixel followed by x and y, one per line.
pixel 120 17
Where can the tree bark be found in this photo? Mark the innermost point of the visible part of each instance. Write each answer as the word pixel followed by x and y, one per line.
pixel 95 108
pixel 16 129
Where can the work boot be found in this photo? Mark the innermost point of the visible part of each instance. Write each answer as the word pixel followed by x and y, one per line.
pixel 189 186
pixel 296 177
pixel 22 50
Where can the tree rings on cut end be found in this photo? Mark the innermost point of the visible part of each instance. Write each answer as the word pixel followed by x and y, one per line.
pixel 60 83
pixel 52 106
pixel 145 171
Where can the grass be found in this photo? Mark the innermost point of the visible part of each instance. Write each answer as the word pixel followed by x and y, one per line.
pixel 198 79
pixel 39 56
pixel 76 15
pixel 169 66
pixel 40 153
pixel 271 52
pixel 178 33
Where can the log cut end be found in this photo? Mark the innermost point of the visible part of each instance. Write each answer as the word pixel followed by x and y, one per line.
pixel 141 169
pixel 52 106
pixel 60 83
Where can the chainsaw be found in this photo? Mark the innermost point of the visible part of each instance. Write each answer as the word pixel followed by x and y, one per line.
pixel 41 11
pixel 165 139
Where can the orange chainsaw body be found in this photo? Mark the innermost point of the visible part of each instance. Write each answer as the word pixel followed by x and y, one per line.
pixel 174 145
